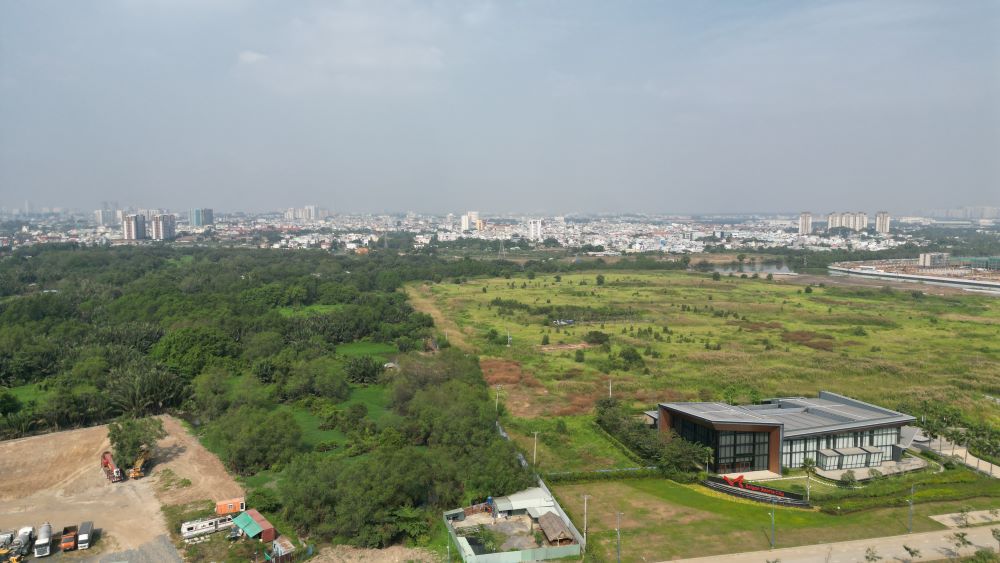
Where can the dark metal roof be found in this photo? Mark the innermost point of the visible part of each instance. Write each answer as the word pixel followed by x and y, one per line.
pixel 798 416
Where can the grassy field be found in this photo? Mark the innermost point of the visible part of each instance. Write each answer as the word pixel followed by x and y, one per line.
pixel 662 520
pixel 698 337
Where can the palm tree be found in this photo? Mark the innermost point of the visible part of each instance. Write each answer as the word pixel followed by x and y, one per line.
pixel 809 464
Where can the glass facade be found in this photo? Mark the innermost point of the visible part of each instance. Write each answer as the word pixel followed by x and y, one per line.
pixel 735 452
pixel 793 451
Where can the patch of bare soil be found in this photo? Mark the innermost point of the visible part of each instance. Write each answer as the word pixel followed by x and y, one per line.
pixel 522 393
pixel 57 478
pixel 852 281
pixel 561 347
pixel 183 454
pixel 394 554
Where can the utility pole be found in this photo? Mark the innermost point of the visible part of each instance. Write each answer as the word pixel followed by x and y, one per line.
pixel 618 531
pixel 909 526
pixel 585 497
pixel 773 502
pixel 499 387
pixel 609 387
pixel 534 453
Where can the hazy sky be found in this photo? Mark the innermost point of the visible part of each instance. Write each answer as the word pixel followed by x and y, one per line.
pixel 538 105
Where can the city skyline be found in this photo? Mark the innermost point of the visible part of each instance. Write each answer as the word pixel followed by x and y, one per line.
pixel 388 106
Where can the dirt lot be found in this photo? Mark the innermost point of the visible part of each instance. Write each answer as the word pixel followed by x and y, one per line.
pixel 57 478
pixel 395 554
pixel 521 391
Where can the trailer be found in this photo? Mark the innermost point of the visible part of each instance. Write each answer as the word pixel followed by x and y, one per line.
pixel 83 536
pixel 67 542
pixel 196 528
pixel 43 544
pixel 111 471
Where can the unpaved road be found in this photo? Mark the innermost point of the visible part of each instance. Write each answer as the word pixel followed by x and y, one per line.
pixel 422 300
pixel 57 478
pixel 394 554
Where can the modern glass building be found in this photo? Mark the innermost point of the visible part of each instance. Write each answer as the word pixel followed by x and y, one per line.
pixel 836 431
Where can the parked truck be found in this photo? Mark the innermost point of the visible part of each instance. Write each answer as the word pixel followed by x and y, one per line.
pixel 67 541
pixel 138 468
pixel 111 471
pixel 43 543
pixel 22 543
pixel 83 537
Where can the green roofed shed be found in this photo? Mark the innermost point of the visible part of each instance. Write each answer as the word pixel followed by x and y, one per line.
pixel 246 523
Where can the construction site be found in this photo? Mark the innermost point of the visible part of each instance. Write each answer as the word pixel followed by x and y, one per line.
pixel 982 273
pixel 74 487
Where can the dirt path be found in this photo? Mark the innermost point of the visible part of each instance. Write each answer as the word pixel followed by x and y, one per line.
pixel 394 554
pixel 57 478
pixel 423 300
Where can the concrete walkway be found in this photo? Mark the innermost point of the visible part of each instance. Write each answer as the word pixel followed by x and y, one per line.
pixel 943 447
pixel 973 518
pixel 933 546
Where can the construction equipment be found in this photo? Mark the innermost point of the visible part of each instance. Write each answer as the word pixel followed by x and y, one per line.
pixel 137 471
pixel 83 537
pixel 43 544
pixel 67 542
pixel 111 471
pixel 22 543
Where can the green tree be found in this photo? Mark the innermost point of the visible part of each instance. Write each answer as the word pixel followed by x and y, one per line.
pixel 211 392
pixel 600 279
pixel 9 403
pixel 252 439
pixel 716 276
pixel 848 479
pixel 960 540
pixel 545 339
pixel 579 356
pixel 130 435
pixel 363 369
pixel 140 388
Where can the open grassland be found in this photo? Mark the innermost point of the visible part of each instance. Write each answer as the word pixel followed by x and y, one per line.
pixel 664 520
pixel 731 339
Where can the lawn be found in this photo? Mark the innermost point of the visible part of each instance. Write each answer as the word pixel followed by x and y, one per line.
pixel 577 444
pixel 663 519
pixel 698 337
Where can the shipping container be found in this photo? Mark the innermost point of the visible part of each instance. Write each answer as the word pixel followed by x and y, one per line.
pixel 231 506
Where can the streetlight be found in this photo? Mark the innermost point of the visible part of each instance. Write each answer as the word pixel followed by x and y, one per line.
pixel 585 497
pixel 909 526
pixel 773 503
pixel 618 531
pixel 534 452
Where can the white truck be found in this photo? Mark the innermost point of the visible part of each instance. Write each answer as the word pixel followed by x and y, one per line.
pixel 43 543
pixel 83 537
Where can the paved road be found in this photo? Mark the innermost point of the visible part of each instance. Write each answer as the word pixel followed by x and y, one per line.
pixel 933 546
pixel 944 447
pixel 160 550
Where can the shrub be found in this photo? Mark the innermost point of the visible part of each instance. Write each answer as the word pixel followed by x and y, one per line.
pixel 848 479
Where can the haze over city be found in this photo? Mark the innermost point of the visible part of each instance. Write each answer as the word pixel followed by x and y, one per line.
pixel 521 106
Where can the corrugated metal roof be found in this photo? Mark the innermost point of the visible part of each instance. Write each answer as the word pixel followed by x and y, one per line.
pixel 246 523
pixel 798 416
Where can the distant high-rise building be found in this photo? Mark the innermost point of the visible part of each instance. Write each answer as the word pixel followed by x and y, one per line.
pixel 855 221
pixel 535 229
pixel 470 221
pixel 805 223
pixel 164 227
pixel 201 217
pixel 882 220
pixel 104 217
pixel 134 227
